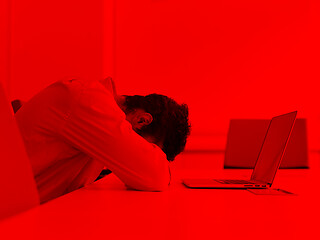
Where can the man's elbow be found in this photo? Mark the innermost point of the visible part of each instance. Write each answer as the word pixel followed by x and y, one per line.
pixel 160 181
pixel 160 185
pixel 153 184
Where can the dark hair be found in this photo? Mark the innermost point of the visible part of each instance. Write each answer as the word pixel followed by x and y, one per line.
pixel 170 121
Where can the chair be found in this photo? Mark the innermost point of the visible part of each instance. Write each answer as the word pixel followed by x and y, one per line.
pixel 18 188
pixel 245 138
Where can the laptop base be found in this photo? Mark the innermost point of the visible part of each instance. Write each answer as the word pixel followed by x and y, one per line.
pixel 216 184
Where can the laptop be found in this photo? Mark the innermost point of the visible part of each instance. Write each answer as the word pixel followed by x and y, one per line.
pixel 267 163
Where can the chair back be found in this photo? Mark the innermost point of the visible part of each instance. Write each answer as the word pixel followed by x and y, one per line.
pixel 17 184
pixel 245 138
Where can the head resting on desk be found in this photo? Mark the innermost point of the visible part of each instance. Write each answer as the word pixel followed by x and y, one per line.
pixel 160 120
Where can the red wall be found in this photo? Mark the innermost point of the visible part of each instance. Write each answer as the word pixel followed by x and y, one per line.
pixel 53 40
pixel 4 41
pixel 226 59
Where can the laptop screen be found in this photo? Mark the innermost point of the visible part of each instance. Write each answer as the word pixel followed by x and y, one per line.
pixel 273 147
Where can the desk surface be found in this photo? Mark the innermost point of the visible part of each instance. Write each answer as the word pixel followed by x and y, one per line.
pixel 106 210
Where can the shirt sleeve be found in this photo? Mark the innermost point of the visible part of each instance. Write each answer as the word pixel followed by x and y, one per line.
pixel 97 127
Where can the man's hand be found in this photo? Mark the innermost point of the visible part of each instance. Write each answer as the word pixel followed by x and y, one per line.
pixel 16 105
pixel 110 85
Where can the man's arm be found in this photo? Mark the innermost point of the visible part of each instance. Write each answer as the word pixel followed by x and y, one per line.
pixel 97 126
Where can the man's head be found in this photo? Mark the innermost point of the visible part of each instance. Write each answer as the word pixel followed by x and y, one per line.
pixel 160 120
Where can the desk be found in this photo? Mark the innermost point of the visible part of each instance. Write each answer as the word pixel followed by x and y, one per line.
pixel 105 210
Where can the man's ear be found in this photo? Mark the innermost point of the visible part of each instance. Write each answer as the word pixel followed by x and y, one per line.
pixel 144 119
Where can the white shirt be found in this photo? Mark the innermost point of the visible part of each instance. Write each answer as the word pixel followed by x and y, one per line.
pixel 73 129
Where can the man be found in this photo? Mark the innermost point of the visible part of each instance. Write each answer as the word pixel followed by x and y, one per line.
pixel 73 129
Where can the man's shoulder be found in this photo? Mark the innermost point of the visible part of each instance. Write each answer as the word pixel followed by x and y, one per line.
pixel 95 96
pixel 75 88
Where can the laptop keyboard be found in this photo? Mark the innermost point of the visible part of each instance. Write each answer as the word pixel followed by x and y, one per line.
pixel 229 181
